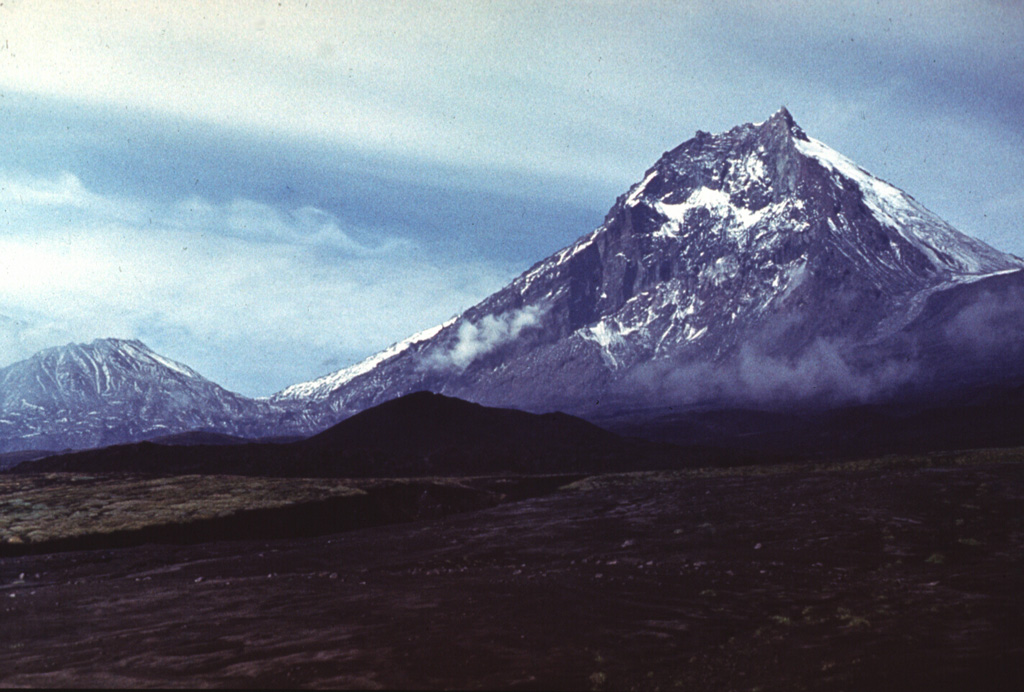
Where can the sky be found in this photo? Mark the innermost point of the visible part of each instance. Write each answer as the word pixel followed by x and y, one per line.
pixel 268 192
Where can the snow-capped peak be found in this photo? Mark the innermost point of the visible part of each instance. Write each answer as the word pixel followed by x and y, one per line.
pixel 136 351
pixel 111 391
pixel 758 235
pixel 945 247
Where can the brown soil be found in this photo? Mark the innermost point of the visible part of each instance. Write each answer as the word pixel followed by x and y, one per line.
pixel 899 578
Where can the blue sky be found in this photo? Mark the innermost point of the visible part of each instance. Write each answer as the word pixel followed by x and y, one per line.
pixel 268 191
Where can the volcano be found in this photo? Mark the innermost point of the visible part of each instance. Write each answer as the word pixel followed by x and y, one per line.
pixel 756 267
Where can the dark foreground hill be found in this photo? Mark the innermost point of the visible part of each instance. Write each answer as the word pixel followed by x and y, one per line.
pixel 421 434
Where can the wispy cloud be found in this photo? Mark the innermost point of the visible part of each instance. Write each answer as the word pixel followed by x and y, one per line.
pixel 589 90
pixel 246 282
pixel 820 373
pixel 476 339
pixel 379 77
pixel 27 198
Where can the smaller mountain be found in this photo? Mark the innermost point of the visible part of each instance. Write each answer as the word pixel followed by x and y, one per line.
pixel 421 434
pixel 111 391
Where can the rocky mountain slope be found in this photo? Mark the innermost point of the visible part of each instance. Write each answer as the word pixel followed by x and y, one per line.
pixel 111 391
pixel 755 266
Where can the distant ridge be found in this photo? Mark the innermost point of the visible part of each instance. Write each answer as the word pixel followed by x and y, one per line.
pixel 112 391
pixel 421 434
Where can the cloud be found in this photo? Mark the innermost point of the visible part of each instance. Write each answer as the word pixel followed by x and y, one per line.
pixel 586 90
pixel 398 77
pixel 476 339
pixel 990 325
pixel 483 83
pixel 253 296
pixel 64 191
pixel 36 199
pixel 253 221
pixel 821 374
pixel 23 195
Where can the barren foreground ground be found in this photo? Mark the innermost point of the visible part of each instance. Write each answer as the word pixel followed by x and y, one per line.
pixel 884 578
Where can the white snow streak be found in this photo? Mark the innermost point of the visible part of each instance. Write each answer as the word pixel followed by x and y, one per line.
pixel 634 196
pixel 894 208
pixel 319 389
pixel 607 337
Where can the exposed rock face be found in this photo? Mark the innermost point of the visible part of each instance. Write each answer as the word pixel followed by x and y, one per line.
pixel 112 391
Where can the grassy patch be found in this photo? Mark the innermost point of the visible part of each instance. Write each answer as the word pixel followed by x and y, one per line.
pixel 35 509
pixel 851 620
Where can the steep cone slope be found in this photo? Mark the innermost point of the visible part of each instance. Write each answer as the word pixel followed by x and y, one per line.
pixel 756 265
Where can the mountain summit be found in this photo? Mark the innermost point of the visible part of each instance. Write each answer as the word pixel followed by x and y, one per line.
pixel 109 391
pixel 755 265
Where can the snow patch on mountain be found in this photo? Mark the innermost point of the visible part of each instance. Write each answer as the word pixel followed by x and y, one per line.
pixel 941 243
pixel 133 350
pixel 608 335
pixel 568 253
pixel 320 388
pixel 639 188
pixel 716 202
